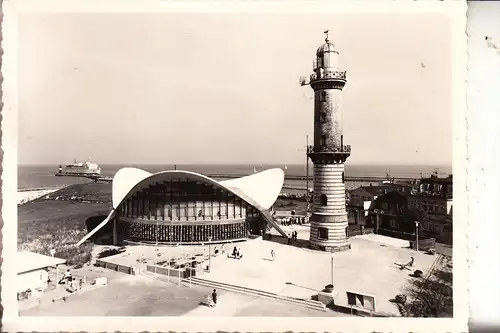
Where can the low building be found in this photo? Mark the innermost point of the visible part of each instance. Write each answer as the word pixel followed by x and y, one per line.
pixel 32 270
pixel 361 200
pixel 183 207
pixel 434 199
pixel 430 204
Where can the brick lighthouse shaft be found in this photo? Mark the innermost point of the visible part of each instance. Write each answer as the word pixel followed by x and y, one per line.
pixel 329 216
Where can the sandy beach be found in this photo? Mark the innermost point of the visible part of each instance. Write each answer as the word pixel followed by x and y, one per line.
pixel 27 196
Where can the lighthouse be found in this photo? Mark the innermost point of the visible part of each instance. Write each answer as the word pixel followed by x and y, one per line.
pixel 328 153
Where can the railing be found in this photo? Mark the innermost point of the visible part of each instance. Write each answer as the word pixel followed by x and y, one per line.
pixel 329 74
pixel 329 149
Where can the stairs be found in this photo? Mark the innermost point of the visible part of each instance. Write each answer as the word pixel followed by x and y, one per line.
pixel 311 304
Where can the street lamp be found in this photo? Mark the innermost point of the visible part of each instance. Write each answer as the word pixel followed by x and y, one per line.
pixel 156 255
pixel 209 253
pixel 416 232
pixel 332 270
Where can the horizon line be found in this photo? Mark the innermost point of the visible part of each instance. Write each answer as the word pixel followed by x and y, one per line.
pixel 248 163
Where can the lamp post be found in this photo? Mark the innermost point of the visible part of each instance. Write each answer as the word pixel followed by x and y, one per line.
pixel 209 253
pixel 332 270
pixel 416 233
pixel 156 257
pixel 307 173
pixel 171 233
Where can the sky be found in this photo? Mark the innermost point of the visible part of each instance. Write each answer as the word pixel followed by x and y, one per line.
pixel 124 88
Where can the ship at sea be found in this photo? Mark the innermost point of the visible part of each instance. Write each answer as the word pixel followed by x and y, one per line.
pixel 80 169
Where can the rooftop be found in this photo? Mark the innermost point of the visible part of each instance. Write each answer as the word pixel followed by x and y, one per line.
pixel 380 189
pixel 30 261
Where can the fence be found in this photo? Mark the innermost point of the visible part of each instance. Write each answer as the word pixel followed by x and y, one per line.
pixel 181 273
pixel 115 267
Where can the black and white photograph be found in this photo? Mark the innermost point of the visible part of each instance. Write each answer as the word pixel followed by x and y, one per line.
pixel 237 162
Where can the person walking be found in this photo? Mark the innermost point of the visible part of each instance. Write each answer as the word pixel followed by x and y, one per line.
pixel 273 255
pixel 214 297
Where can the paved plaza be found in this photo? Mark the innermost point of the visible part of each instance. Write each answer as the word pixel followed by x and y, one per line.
pixel 128 295
pixel 368 268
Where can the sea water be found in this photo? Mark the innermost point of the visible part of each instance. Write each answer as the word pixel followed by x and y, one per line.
pixel 42 176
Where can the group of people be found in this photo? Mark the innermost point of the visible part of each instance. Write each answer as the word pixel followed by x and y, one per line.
pixel 72 282
pixel 293 220
pixel 236 253
pixel 292 238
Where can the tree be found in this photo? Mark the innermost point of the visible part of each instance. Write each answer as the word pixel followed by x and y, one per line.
pixel 432 296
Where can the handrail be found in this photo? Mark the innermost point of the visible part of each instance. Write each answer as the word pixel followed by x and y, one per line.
pixel 329 149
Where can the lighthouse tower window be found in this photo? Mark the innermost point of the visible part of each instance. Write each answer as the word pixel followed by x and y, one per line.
pixel 323 200
pixel 322 96
pixel 322 233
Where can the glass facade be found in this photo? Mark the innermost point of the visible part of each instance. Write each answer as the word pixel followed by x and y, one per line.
pixel 175 233
pixel 184 212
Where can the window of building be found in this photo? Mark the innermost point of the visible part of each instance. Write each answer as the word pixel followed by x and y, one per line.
pixel 343 179
pixel 394 224
pixel 323 200
pixel 322 233
pixel 322 96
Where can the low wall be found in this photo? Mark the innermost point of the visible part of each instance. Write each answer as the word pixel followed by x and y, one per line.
pixel 357 232
pixel 423 244
pixel 115 267
pixel 396 234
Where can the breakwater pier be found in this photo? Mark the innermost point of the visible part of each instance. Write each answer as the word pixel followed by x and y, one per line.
pixel 222 176
pixel 304 177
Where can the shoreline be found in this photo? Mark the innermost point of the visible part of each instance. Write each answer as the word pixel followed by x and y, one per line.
pixel 27 195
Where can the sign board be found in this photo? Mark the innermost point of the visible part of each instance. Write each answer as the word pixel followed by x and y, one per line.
pixel 361 300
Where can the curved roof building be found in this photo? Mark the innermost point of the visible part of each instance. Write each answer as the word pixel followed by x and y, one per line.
pixel 189 208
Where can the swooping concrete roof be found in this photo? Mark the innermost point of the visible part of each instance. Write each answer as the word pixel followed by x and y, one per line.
pixel 259 190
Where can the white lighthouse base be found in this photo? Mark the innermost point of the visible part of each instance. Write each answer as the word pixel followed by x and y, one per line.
pixel 336 239
pixel 321 246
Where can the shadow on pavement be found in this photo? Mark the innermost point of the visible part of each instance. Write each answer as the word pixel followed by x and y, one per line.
pixel 284 241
